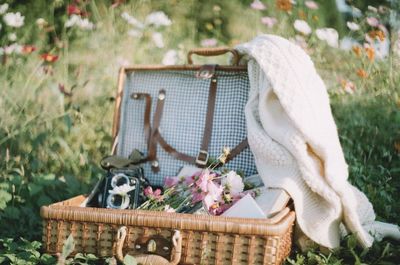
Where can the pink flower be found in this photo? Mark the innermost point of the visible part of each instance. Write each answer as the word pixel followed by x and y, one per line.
pixel 373 21
pixel 209 42
pixel 148 192
pixel 311 5
pixel 257 5
pixel 268 21
pixel 213 195
pixel 197 195
pixel 171 181
pixel 190 179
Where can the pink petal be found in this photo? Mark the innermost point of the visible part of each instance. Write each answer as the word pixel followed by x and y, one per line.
pixel 171 181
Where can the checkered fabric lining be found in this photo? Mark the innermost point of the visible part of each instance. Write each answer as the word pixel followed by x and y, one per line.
pixel 183 118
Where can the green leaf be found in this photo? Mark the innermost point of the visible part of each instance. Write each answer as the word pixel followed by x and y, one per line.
pixel 129 260
pixel 34 188
pixel 351 242
pixel 12 212
pixel 43 200
pixel 4 198
pixel 47 259
pixel 68 247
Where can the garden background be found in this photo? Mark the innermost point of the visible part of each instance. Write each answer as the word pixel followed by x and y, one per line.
pixel 59 64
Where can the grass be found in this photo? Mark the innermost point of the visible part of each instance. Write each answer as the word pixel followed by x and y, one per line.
pixel 51 142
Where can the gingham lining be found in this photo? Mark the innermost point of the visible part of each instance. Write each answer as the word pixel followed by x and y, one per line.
pixel 184 116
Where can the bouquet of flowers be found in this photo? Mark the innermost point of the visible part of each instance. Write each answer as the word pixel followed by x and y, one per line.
pixel 209 189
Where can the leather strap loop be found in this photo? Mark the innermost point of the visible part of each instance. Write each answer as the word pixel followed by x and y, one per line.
pixel 152 155
pixel 147 113
pixel 202 157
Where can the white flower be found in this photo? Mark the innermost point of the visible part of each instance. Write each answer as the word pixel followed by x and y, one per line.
pixel 12 36
pixel 170 57
pixel 302 26
pixel 330 35
pixel 169 209
pixel 135 33
pixel 132 21
pixel 72 21
pixel 311 5
pixel 41 22
pixel 3 8
pixel 158 19
pixel 75 20
pixel 373 9
pixel 158 39
pixel 233 182
pixel 85 24
pixel 14 19
pixel 353 26
pixel 13 48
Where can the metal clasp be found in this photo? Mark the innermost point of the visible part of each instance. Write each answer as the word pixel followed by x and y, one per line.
pixel 202 158
pixel 206 71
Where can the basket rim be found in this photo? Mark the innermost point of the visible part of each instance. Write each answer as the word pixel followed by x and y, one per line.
pixel 69 210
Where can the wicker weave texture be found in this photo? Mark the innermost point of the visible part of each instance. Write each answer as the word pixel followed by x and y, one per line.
pixel 206 239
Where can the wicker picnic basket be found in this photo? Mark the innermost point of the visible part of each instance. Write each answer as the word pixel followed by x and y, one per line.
pixel 167 238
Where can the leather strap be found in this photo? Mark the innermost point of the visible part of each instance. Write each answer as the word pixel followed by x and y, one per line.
pixel 152 155
pixel 172 151
pixel 147 113
pixel 237 150
pixel 202 157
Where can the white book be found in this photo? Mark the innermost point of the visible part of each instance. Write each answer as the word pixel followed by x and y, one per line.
pixel 246 207
pixel 272 200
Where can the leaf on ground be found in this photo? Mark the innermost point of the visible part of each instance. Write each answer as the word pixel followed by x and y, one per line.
pixel 69 246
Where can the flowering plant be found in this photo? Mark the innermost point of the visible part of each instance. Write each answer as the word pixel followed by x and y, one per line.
pixel 215 191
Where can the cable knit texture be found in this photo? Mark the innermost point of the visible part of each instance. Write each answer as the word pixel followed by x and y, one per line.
pixel 293 137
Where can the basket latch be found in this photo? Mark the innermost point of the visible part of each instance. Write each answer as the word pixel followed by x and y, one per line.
pixel 206 71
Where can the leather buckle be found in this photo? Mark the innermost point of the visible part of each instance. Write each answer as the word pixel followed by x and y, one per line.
pixel 202 158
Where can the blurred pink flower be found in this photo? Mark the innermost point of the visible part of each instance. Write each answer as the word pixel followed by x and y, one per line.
pixel 348 86
pixel 208 42
pixel 373 21
pixel 311 5
pixel 213 196
pixel 149 193
pixel 257 5
pixel 171 181
pixel 269 21
pixel 197 195
pixel 202 181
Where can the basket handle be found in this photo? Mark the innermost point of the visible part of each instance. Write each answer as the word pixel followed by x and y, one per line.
pixel 208 52
pixel 148 259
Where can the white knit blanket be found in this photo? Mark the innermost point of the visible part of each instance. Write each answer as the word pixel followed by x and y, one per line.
pixel 294 139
